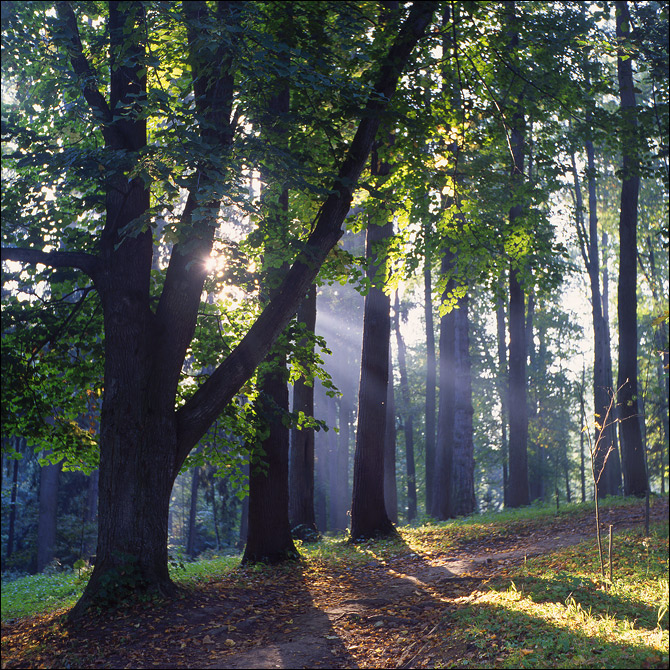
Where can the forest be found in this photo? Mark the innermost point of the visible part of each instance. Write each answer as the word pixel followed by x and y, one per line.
pixel 276 273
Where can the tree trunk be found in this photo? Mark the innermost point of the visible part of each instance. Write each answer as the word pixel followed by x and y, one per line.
pixel 431 380
pixel 193 509
pixel 635 479
pixel 368 511
pixel 11 530
pixel 442 482
pixel 390 486
pixel 144 437
pixel 464 502
pixel 518 410
pixel 503 391
pixel 408 422
pixel 301 455
pixel 46 525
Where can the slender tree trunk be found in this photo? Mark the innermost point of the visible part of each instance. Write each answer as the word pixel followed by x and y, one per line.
pixel 193 509
pixel 11 529
pixel 503 391
pixel 431 378
pixel 518 410
pixel 408 423
pixel 342 464
pixel 635 479
pixel 390 486
pixel 464 502
pixel 48 514
pixel 301 460
pixel 442 482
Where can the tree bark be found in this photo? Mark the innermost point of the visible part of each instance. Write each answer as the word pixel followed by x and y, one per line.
pixel 635 479
pixel 464 502
pixel 390 486
pixel 301 459
pixel 503 391
pixel 518 409
pixel 442 482
pixel 408 422
pixel 368 511
pixel 48 514
pixel 431 380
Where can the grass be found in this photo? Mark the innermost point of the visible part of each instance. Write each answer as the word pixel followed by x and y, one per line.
pixel 554 612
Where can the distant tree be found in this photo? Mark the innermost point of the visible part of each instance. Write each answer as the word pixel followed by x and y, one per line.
pixel 634 468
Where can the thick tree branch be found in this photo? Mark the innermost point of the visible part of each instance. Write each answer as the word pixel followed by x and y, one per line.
pixel 195 417
pixel 87 75
pixel 87 263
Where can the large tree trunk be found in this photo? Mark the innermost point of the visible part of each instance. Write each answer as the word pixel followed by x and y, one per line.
pixel 301 455
pixel 144 438
pixel 368 511
pixel 605 447
pixel 635 478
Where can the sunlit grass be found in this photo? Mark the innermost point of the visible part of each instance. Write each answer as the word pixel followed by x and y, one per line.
pixel 555 611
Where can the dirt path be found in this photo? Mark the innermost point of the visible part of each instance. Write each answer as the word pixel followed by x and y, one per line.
pixel 411 584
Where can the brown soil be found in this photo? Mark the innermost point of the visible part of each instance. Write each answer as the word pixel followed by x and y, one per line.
pixel 381 614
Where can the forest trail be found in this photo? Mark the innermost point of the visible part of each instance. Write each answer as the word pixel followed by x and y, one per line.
pixel 391 612
pixel 385 613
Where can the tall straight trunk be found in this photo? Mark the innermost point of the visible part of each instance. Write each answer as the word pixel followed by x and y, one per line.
pixel 606 453
pixel 536 483
pixel 368 511
pixel 503 391
pixel 301 455
pixel 662 365
pixel 11 529
pixel 582 416
pixel 518 409
pixel 431 378
pixel 635 479
pixel 193 509
pixel 442 482
pixel 390 486
pixel 345 424
pixel 335 501
pixel 408 422
pixel 463 450
pixel 48 514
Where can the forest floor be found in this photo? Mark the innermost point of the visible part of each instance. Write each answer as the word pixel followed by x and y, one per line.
pixel 391 612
